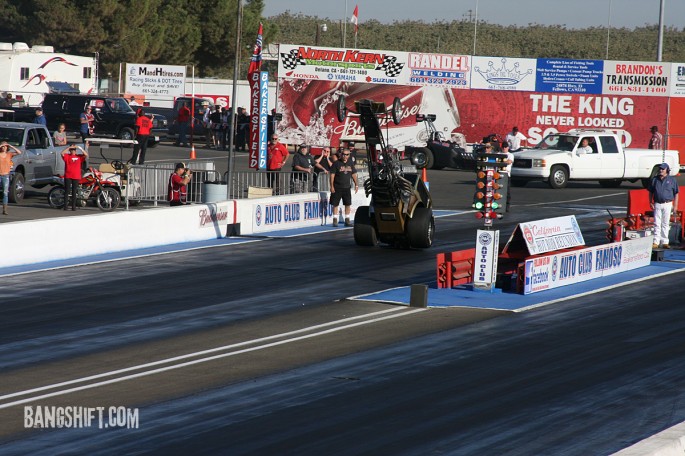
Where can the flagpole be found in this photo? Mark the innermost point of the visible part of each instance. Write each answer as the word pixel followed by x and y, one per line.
pixel 236 73
pixel 345 26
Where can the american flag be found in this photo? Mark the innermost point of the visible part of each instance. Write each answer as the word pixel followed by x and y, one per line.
pixel 256 59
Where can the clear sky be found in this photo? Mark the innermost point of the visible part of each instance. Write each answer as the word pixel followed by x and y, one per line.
pixel 572 13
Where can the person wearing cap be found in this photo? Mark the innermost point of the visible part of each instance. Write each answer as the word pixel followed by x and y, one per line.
pixel 353 151
pixel 514 138
pixel 663 192
pixel 178 185
pixel 657 140
pixel 40 118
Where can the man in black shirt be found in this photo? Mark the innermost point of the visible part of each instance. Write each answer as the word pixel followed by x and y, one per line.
pixel 343 173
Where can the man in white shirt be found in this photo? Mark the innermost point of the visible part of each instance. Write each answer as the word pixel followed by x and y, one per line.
pixel 514 139
pixel 506 172
pixel 584 147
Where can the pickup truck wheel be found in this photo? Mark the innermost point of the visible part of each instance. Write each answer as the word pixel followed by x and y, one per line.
pixel 610 183
pixel 17 190
pixel 364 231
pixel 126 133
pixel 645 182
pixel 558 177
pixel 56 197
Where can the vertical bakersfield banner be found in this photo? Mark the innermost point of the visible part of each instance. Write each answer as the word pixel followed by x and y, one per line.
pixel 253 75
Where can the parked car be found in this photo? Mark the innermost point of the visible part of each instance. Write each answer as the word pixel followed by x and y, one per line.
pixel 113 116
pixel 38 163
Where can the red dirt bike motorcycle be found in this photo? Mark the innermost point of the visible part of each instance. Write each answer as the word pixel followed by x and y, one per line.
pixel 105 193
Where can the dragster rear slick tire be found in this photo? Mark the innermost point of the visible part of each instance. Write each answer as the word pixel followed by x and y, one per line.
pixel 421 228
pixel 364 229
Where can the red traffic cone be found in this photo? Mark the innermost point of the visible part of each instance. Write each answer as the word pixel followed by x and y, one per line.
pixel 192 152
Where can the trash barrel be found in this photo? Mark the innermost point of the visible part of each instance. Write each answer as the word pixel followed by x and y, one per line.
pixel 213 192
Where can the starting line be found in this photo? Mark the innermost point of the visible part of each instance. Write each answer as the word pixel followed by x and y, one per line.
pixel 674 262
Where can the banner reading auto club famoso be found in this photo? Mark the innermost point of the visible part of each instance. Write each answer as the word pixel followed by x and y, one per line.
pixel 471 95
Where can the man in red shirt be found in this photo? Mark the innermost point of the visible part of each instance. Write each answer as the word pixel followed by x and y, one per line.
pixel 183 120
pixel 73 163
pixel 277 155
pixel 143 127
pixel 178 182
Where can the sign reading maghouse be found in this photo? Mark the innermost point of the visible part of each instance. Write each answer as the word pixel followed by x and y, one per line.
pixel 558 270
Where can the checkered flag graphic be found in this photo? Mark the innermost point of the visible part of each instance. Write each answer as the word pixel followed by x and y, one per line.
pixel 390 66
pixel 291 60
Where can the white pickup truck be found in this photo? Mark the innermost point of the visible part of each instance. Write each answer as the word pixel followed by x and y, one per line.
pixel 561 157
pixel 38 163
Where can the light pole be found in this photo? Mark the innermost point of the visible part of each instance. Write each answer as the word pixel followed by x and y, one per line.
pixel 608 30
pixel 475 29
pixel 320 28
pixel 660 43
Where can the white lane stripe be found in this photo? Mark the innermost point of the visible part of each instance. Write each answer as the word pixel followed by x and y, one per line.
pixel 599 290
pixel 211 350
pixel 569 201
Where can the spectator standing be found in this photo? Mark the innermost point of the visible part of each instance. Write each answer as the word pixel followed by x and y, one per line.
pixel 303 167
pixel 60 135
pixel 73 163
pixel 322 165
pixel 8 101
pixel 343 173
pixel 663 192
pixel 277 155
pixel 506 173
pixel 5 167
pixel 87 120
pixel 514 138
pixel 178 185
pixel 207 123
pixel 215 118
pixel 657 140
pixel 143 127
pixel 243 121
pixel 353 152
pixel 40 118
pixel 224 127
pixel 183 120
pixel 132 101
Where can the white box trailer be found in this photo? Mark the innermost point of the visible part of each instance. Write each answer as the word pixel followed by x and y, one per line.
pixel 25 71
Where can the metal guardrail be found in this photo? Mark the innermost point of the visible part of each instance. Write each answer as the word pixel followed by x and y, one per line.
pixel 280 182
pixel 150 182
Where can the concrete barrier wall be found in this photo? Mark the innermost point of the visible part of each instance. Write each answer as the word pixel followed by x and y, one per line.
pixel 61 238
pixel 286 212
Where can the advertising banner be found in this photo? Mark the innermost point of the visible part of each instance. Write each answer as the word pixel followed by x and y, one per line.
pixel 677 80
pixel 636 78
pixel 537 114
pixel 558 270
pixel 500 73
pixel 546 235
pixel 485 264
pixel 569 76
pixel 153 79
